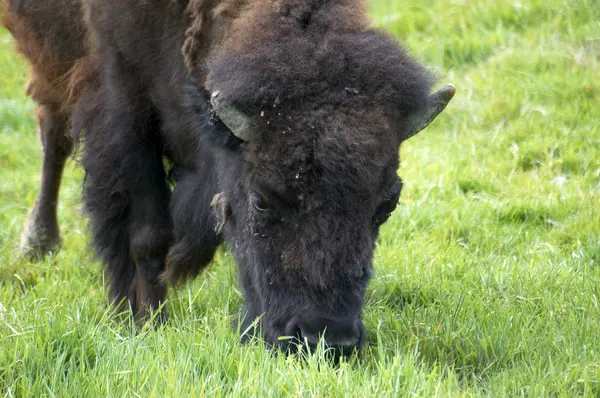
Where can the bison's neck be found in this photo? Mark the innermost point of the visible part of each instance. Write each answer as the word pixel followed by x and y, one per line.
pixel 219 27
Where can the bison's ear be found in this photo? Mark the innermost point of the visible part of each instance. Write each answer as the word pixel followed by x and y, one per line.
pixel 431 108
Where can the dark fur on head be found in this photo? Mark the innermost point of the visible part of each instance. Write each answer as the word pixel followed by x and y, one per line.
pixel 331 70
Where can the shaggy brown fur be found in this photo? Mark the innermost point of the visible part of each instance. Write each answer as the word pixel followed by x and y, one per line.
pixel 300 205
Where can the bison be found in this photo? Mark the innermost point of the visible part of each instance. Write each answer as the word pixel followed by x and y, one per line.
pixel 272 125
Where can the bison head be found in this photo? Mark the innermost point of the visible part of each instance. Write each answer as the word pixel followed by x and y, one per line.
pixel 310 175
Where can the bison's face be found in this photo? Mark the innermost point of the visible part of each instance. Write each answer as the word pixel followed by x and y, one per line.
pixel 302 206
pixel 313 175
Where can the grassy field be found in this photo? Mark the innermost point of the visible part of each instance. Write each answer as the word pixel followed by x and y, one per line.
pixel 487 276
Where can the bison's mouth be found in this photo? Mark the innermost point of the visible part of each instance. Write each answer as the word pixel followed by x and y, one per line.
pixel 299 345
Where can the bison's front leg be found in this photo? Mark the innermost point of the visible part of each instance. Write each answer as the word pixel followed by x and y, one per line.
pixel 151 233
pixel 125 192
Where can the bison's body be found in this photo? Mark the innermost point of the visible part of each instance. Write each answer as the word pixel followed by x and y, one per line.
pixel 281 119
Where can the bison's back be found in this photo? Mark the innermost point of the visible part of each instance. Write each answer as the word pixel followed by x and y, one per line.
pixel 52 36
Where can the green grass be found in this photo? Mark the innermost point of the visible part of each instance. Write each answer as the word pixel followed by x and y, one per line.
pixel 487 276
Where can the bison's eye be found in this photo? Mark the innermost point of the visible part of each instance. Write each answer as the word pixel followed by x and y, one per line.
pixel 385 208
pixel 384 211
pixel 258 202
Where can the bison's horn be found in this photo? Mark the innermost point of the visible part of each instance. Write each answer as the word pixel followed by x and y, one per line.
pixel 238 123
pixel 434 105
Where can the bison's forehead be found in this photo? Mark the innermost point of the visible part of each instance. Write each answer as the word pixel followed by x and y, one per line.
pixel 351 150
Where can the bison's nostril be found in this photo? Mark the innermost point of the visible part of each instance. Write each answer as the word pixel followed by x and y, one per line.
pixel 309 338
pixel 344 335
